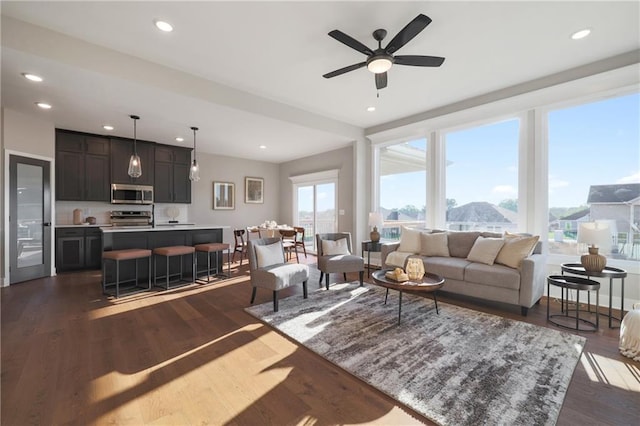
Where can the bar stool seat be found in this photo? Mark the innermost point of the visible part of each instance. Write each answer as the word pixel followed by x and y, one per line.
pixel 118 256
pixel 168 253
pixel 210 248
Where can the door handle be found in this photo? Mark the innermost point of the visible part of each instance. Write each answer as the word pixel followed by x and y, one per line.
pixel 46 224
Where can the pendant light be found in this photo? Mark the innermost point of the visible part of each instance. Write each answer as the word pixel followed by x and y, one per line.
pixel 135 167
pixel 194 173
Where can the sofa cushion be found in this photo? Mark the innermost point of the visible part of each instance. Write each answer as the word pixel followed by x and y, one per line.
pixel 448 267
pixel 485 250
pixel 330 247
pixel 460 243
pixel 515 249
pixel 409 240
pixel 397 258
pixel 495 275
pixel 434 244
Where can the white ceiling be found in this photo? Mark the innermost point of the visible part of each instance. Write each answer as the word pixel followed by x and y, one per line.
pixel 250 73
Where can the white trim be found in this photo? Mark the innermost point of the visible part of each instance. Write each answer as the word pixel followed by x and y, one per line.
pixel 7 202
pixel 318 177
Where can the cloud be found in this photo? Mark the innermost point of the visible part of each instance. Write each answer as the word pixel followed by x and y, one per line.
pixel 557 183
pixel 632 178
pixel 504 189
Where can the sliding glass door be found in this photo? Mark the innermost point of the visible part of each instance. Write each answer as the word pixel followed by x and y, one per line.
pixel 315 210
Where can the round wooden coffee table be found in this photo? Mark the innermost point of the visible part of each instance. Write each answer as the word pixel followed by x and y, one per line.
pixel 430 283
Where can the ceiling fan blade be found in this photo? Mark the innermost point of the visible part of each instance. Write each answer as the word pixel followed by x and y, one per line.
pixel 381 80
pixel 418 61
pixel 351 42
pixel 344 70
pixel 405 35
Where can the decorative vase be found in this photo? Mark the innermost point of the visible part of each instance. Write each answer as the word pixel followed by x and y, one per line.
pixel 593 262
pixel 374 235
pixel 415 269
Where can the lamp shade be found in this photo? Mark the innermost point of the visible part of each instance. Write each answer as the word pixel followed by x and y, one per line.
pixel 595 234
pixel 375 219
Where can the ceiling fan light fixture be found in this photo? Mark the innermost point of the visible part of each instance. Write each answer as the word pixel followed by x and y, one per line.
pixel 379 65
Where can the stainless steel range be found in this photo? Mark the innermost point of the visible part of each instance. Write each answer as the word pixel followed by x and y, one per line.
pixel 131 218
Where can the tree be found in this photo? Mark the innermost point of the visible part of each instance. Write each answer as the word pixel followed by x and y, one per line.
pixel 411 210
pixel 451 203
pixel 509 204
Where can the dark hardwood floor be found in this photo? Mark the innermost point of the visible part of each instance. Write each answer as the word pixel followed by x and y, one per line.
pixel 193 356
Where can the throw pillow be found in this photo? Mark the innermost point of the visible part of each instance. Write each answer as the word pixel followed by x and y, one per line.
pixel 460 242
pixel 330 247
pixel 434 244
pixel 409 240
pixel 515 249
pixel 270 254
pixel 485 250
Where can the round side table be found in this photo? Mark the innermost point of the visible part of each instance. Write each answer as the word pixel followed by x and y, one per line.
pixel 608 272
pixel 578 284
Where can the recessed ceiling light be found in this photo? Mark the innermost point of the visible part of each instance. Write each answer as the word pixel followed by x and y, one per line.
pixel 179 139
pixel 32 77
pixel 263 147
pixel 581 34
pixel 107 127
pixel 43 105
pixel 371 108
pixel 164 26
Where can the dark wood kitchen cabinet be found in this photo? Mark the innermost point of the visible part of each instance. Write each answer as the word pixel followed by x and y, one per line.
pixel 78 248
pixel 121 150
pixel 82 167
pixel 172 184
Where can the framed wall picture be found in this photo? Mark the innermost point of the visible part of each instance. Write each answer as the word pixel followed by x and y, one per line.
pixel 253 190
pixel 224 196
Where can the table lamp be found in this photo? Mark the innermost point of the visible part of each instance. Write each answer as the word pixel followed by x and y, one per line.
pixel 375 220
pixel 598 235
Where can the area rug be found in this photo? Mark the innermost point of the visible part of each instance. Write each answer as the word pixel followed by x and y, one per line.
pixel 460 367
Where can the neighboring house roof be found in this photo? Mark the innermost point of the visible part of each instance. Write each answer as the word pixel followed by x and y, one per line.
pixel 481 211
pixel 619 193
pixel 577 215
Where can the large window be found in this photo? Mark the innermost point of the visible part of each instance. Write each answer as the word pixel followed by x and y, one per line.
pixel 594 175
pixel 482 177
pixel 403 173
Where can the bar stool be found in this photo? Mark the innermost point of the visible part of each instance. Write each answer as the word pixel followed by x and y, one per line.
pixel 118 256
pixel 168 253
pixel 210 248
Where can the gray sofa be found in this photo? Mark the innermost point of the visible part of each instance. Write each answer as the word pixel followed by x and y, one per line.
pixel 521 286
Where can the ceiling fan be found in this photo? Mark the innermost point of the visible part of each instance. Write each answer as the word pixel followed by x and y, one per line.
pixel 379 61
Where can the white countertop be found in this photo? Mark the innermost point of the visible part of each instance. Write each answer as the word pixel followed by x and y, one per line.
pixel 84 225
pixel 160 227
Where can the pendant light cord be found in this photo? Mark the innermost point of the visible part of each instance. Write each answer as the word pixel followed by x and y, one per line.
pixel 135 119
pixel 195 153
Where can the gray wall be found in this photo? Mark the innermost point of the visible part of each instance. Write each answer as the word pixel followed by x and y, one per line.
pixel 228 169
pixel 341 159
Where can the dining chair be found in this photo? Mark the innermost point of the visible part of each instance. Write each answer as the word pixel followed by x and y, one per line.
pixel 299 239
pixel 288 237
pixel 253 233
pixel 240 245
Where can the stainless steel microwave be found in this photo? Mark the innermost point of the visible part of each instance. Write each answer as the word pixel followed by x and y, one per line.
pixel 131 194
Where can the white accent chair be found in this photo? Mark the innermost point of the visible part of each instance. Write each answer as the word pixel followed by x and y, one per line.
pixel 269 270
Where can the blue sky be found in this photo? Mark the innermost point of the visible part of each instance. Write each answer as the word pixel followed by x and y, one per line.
pixel 592 144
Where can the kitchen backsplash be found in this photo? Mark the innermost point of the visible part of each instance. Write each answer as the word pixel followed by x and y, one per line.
pixel 102 211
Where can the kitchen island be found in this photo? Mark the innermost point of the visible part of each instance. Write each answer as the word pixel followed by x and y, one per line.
pixel 151 237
